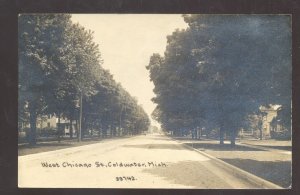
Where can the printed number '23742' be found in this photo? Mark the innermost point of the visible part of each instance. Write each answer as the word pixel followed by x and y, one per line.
pixel 126 178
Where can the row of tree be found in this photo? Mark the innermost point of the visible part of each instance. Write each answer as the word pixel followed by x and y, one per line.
pixel 220 70
pixel 58 64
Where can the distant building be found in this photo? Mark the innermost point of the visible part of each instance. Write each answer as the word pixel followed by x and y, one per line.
pixel 49 121
pixel 269 113
pixel 46 121
pixel 262 123
pixel 65 125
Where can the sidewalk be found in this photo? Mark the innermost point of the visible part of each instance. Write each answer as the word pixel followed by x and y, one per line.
pixel 261 157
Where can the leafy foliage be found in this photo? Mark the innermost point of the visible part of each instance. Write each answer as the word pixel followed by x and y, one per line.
pixel 221 69
pixel 59 61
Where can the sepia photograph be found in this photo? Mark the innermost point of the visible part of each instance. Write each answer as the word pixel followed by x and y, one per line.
pixel 155 101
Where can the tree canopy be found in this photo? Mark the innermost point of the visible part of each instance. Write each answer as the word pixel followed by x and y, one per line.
pixel 59 61
pixel 221 69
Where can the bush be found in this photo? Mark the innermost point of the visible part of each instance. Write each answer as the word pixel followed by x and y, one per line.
pixel 48 131
pixel 256 134
pixel 24 131
pixel 281 135
pixel 23 135
pixel 214 133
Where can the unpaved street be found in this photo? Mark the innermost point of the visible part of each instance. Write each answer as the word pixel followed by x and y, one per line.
pixel 147 161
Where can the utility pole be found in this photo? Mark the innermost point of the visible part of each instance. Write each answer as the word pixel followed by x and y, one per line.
pixel 80 118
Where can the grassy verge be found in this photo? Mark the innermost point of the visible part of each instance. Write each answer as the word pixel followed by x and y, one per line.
pixel 267 164
pixel 26 149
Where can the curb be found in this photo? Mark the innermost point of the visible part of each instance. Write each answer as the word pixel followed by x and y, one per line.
pixel 253 179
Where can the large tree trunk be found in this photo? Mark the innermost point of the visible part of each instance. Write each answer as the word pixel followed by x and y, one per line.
pixel 33 118
pixel 111 131
pixel 58 128
pixel 261 128
pixel 233 136
pixel 71 126
pixel 104 131
pixel 200 133
pixel 92 131
pixel 261 133
pixel 222 133
pixel 193 134
pixel 99 131
pixel 83 127
pixel 77 129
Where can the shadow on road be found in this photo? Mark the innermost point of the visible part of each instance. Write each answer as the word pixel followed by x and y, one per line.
pixel 162 138
pixel 278 172
pixel 219 147
pixel 185 138
pixel 156 146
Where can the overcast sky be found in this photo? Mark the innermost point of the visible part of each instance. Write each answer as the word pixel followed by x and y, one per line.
pixel 126 43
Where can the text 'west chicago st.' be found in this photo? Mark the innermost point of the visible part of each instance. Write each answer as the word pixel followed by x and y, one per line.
pixel 98 164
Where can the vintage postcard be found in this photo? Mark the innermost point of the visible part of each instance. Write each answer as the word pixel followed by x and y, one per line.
pixel 176 101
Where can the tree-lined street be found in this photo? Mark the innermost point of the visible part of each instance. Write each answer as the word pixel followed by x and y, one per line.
pixel 218 91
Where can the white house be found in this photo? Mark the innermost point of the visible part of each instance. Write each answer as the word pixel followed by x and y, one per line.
pixel 51 121
pixel 269 113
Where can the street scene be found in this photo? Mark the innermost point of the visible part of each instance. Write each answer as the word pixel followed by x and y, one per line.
pixel 160 101
pixel 152 161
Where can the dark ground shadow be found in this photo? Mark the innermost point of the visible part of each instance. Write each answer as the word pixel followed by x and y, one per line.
pixel 288 148
pixel 219 147
pixel 42 147
pixel 50 146
pixel 278 172
pixel 156 146
pixel 185 138
pixel 38 145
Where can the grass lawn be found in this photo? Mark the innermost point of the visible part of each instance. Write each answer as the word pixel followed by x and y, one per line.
pixel 26 149
pixel 274 166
